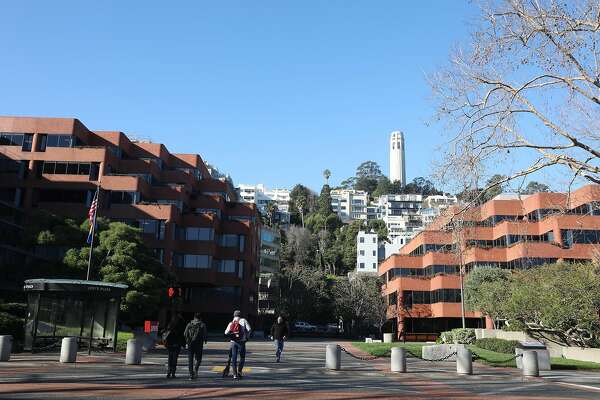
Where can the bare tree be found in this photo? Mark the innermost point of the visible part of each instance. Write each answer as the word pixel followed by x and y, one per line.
pixel 526 90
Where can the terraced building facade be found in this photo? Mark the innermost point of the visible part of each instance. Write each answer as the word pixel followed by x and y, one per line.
pixel 194 222
pixel 422 282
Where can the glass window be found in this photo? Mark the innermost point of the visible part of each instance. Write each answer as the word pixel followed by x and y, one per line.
pixel 227 266
pixel 72 168
pixel 42 141
pixel 27 142
pixel 84 169
pixel 48 167
pixel 197 261
pixel 61 168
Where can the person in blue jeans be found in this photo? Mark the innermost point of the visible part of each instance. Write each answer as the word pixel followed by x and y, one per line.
pixel 238 331
pixel 280 332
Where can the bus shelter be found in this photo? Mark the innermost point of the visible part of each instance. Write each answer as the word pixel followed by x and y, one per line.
pixel 58 308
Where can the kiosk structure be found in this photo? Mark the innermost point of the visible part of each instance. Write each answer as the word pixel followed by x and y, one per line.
pixel 58 308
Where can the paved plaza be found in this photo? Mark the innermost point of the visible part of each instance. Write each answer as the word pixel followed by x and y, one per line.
pixel 300 375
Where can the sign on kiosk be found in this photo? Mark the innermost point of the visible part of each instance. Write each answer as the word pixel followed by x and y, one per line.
pixel 150 326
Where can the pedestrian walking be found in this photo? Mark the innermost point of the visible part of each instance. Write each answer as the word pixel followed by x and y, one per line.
pixel 238 332
pixel 173 340
pixel 280 332
pixel 195 339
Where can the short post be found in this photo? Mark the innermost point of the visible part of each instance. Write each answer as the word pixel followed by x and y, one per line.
pixel 530 364
pixel 464 361
pixel 68 350
pixel 133 354
pixel 333 357
pixel 388 337
pixel 398 359
pixel 5 347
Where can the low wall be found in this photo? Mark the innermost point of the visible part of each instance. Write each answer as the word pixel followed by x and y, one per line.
pixel 573 353
pixel 500 334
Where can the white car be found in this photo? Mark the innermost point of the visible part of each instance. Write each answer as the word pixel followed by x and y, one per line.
pixel 301 326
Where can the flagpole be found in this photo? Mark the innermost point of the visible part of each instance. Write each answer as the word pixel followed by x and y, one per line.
pixel 93 231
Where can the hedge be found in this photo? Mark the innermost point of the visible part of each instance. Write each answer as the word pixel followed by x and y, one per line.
pixel 497 345
pixel 11 325
pixel 459 335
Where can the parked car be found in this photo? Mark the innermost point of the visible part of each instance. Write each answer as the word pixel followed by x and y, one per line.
pixel 301 326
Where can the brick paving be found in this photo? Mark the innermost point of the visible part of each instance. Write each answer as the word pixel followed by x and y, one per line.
pixel 300 375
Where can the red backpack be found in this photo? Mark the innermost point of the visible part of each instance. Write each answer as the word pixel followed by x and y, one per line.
pixel 237 331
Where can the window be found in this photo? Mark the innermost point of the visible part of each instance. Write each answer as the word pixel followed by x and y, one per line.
pixel 120 197
pixel 27 142
pixel 362 252
pixel 241 269
pixel 195 233
pixel 361 240
pixel 193 261
pixel 362 265
pixel 159 254
pixel 61 141
pixel 232 240
pixel 227 266
pixel 66 168
pixel 63 196
pixel 374 253
pixel 11 139
pixel 9 166
pixel 374 265
pixel 374 240
pixel 154 227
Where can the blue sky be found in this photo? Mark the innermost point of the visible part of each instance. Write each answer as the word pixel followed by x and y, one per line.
pixel 270 91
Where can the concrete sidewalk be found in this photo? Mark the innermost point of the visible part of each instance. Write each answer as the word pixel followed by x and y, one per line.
pixel 299 375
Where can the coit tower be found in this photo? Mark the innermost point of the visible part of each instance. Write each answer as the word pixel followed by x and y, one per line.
pixel 397 166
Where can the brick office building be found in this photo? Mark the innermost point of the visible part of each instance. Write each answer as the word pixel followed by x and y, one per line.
pixel 422 283
pixel 194 223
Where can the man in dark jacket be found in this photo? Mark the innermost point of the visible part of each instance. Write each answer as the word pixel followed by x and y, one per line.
pixel 280 332
pixel 195 338
pixel 173 340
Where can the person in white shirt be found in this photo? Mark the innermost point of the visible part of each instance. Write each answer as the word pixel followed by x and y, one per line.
pixel 238 331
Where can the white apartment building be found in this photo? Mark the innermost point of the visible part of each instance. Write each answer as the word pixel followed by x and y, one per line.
pixel 350 204
pixel 401 214
pixel 367 252
pixel 261 196
pixel 434 205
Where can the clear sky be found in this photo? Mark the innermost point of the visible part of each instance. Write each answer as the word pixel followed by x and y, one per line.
pixel 268 91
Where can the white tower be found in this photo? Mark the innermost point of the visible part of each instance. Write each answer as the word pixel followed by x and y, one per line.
pixel 397 166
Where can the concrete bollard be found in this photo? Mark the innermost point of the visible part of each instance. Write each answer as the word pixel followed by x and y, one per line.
pixel 5 347
pixel 464 361
pixel 68 350
pixel 530 364
pixel 333 357
pixel 398 359
pixel 133 355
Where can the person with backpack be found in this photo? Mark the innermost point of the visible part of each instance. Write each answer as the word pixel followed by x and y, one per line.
pixel 173 340
pixel 195 338
pixel 238 332
pixel 279 331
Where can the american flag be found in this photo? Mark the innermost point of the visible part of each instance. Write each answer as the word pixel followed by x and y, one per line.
pixel 92 217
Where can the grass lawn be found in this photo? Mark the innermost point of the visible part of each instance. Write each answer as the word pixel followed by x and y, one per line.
pixel 384 349
pixel 488 357
pixel 122 339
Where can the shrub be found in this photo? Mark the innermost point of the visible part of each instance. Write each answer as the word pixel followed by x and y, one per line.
pixel 463 336
pixel 497 345
pixel 16 309
pixel 459 335
pixel 11 325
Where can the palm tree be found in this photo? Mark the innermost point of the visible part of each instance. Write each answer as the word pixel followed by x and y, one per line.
pixel 271 209
pixel 300 203
pixel 326 175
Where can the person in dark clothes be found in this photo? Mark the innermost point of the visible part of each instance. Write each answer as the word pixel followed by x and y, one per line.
pixel 173 340
pixel 195 338
pixel 280 331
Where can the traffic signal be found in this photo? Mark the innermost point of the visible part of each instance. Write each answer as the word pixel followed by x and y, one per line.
pixel 174 291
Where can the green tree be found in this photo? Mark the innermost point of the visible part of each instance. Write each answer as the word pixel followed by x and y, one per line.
pixel 120 256
pixel 488 290
pixel 271 210
pixel 369 169
pixel 379 227
pixel 324 201
pixel 302 202
pixel 561 301
pixel 535 187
